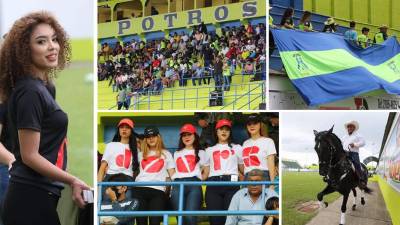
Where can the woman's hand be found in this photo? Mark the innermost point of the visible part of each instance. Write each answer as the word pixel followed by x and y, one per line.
pixel 270 220
pixel 111 194
pixel 77 187
pixel 6 157
pixel 11 162
pixel 205 172
pixel 272 187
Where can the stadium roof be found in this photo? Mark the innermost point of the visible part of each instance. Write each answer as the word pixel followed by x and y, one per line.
pixel 292 164
pixel 388 127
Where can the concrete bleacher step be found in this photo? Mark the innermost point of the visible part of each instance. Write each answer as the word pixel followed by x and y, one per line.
pixel 173 98
pixel 275 61
pixel 235 79
pixel 317 20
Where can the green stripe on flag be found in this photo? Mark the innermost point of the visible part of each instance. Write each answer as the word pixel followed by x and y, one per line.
pixel 302 64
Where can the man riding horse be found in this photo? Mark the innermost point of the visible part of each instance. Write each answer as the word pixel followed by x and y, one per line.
pixel 334 157
pixel 352 142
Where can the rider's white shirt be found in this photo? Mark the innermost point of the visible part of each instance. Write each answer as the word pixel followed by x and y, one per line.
pixel 354 138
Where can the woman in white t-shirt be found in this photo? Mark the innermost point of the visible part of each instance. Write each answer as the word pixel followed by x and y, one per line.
pixel 156 164
pixel 189 162
pixel 222 164
pixel 258 151
pixel 120 155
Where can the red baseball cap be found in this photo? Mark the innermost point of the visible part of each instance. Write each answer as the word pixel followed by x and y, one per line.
pixel 223 122
pixel 188 128
pixel 126 121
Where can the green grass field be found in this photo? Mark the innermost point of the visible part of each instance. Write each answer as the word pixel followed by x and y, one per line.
pixel 297 188
pixel 75 96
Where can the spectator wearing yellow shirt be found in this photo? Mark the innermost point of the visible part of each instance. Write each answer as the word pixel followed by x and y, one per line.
pixel 382 35
pixel 305 22
pixel 363 39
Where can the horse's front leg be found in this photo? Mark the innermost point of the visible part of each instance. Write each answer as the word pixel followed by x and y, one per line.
pixel 343 208
pixel 328 189
pixel 355 199
pixel 362 197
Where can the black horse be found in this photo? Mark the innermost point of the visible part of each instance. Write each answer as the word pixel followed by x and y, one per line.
pixel 337 170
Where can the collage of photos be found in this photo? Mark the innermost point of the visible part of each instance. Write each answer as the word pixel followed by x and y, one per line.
pixel 199 112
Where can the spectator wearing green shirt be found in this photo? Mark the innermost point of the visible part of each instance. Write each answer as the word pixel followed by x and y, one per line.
pixel 271 20
pixel 226 73
pixel 305 22
pixel 382 35
pixel 363 39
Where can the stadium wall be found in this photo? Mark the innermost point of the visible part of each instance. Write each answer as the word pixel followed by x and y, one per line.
pixel 388 169
pixel 368 13
pixel 392 199
pixel 162 22
pixel 297 4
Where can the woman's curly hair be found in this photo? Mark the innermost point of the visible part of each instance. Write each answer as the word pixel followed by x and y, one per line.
pixel 15 52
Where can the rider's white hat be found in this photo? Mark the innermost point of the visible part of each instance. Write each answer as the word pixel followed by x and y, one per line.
pixel 353 122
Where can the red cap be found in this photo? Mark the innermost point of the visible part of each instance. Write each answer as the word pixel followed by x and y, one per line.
pixel 188 128
pixel 223 122
pixel 126 121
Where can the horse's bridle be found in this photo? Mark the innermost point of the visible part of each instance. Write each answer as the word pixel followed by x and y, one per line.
pixel 332 150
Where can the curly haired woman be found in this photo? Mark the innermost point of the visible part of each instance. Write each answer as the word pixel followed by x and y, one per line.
pixel 34 50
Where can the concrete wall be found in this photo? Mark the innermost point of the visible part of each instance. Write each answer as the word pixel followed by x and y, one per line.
pixel 392 199
pixel 209 15
pixel 297 4
pixel 389 162
pixel 363 11
pixel 161 6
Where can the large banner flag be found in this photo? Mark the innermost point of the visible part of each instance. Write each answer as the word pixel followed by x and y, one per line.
pixel 325 67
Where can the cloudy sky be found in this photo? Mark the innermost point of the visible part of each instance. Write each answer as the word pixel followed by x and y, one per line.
pixel 76 16
pixel 297 136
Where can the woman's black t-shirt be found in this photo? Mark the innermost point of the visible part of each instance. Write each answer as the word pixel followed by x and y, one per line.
pixel 32 106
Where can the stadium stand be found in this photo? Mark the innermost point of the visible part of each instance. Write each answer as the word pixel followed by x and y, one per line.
pixel 288 164
pixel 158 66
pixel 368 14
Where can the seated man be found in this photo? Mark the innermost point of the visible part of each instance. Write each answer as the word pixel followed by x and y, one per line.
pixel 250 198
pixel 116 200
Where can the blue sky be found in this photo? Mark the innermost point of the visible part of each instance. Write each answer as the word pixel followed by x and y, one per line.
pixel 76 16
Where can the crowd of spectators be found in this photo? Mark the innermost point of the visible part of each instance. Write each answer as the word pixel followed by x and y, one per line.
pixel 139 67
pixel 330 26
pixel 216 132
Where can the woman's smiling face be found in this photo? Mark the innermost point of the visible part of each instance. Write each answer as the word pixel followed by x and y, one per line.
pixel 44 48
